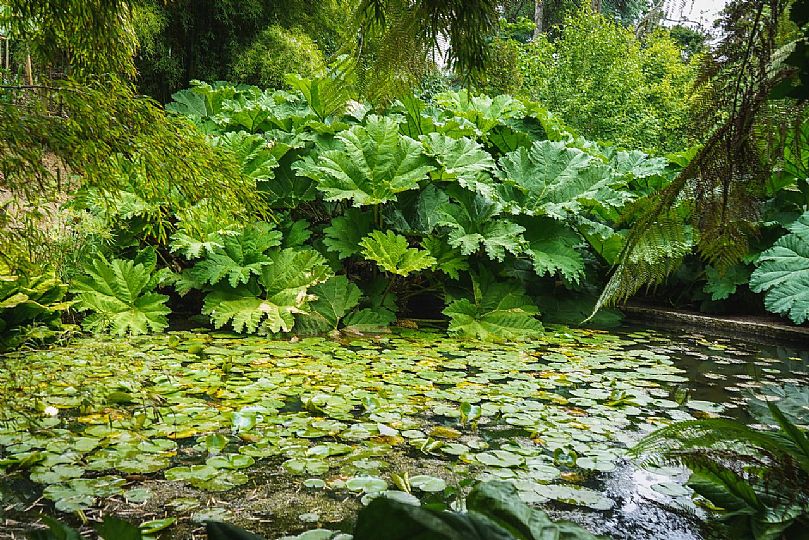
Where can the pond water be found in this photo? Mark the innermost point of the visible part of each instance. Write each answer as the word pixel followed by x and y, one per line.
pixel 281 437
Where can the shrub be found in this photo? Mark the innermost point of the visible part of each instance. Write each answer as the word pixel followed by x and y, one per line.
pixel 276 52
pixel 610 86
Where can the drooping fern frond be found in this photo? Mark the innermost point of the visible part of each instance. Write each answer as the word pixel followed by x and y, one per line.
pixel 677 442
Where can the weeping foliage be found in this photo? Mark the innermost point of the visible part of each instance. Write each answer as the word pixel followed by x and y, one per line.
pixel 728 172
pixel 83 125
pixel 399 39
pixel 75 37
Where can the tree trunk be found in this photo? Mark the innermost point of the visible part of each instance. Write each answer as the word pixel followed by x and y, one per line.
pixel 596 5
pixel 29 72
pixel 538 14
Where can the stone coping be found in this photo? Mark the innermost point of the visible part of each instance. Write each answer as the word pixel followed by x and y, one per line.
pixel 755 328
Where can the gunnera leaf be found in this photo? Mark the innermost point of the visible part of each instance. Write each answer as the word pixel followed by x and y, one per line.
pixel 496 311
pixel 461 160
pixel 391 252
pixel 335 299
pixel 375 163
pixel 473 224
pixel 449 260
pixel 346 232
pixel 782 273
pixel 118 295
pixel 281 292
pixel 251 153
pixel 552 248
pixel 240 257
pixel 554 180
pixel 721 285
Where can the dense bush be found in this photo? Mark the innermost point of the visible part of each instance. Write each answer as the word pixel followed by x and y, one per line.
pixel 185 40
pixel 477 206
pixel 276 52
pixel 605 83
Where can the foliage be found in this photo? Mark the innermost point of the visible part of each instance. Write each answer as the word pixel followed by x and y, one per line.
pixel 398 38
pixel 268 303
pixel 118 293
pixel 755 479
pixel 160 401
pixel 109 139
pixel 495 311
pixel 494 511
pixel 31 307
pixel 783 273
pixel 738 113
pixel 276 52
pixel 375 164
pixel 76 37
pixel 241 40
pixel 608 85
pixel 502 74
pixel 390 252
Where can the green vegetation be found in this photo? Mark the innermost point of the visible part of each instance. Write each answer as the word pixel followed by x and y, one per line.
pixel 355 251
pixel 757 480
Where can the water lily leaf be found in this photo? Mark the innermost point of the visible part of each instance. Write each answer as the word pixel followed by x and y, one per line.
pixel 232 461
pixel 429 484
pixel 314 483
pixel 500 458
pixel 366 484
pixel 137 495
pixel 671 489
pixel 306 466
pixel 157 525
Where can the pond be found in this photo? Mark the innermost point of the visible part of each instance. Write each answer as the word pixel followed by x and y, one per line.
pixel 281 437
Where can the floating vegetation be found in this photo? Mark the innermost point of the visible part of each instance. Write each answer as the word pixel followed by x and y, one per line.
pixel 411 415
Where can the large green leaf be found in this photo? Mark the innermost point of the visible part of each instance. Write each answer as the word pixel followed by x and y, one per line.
pixel 401 521
pixel 251 153
pixel 473 224
pixel 118 293
pixel 724 488
pixel 552 248
pixel 285 283
pixel 495 311
pixel 483 111
pixel 449 260
pixel 29 302
pixel 289 187
pixel 240 257
pixel 375 164
pixel 346 232
pixel 201 232
pixel 722 284
pixel 335 299
pixel 500 502
pixel 462 160
pixel 416 212
pixel 225 531
pixel 783 273
pixel 391 252
pixel 554 180
pixel 495 512
pixel 326 96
